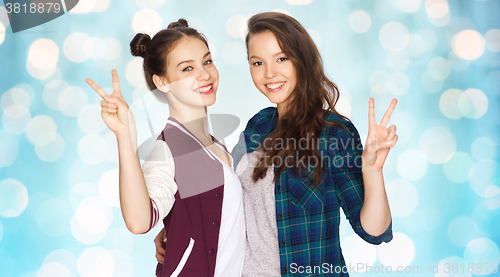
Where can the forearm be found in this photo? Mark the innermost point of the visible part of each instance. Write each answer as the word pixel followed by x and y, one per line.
pixel 375 215
pixel 134 197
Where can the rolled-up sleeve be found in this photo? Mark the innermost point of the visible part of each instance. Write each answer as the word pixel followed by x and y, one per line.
pixel 159 170
pixel 348 179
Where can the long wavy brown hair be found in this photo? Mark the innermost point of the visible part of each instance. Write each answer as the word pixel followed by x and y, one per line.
pixel 313 96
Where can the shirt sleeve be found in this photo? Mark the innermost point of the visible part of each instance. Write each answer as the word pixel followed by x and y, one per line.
pixel 158 169
pixel 348 179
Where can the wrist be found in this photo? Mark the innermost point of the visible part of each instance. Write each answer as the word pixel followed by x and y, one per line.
pixel 371 169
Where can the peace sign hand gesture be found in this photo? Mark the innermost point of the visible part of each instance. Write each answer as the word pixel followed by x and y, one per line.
pixel 115 110
pixel 379 140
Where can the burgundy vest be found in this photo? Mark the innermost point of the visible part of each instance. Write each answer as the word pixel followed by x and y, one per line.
pixel 197 210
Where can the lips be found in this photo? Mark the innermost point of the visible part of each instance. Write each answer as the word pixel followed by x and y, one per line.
pixel 206 89
pixel 275 86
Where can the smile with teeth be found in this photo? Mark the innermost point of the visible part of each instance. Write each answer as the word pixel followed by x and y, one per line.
pixel 275 86
pixel 204 89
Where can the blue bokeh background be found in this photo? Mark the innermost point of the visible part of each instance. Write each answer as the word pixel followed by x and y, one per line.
pixel 59 209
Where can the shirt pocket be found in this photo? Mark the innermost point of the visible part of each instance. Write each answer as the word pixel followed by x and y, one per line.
pixel 305 194
pixel 184 258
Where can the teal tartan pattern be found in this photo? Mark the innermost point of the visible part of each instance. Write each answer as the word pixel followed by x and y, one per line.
pixel 308 217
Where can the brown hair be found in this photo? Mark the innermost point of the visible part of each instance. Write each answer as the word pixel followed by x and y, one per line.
pixel 155 51
pixel 304 115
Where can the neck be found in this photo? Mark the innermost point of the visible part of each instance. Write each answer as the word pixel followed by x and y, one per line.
pixel 195 120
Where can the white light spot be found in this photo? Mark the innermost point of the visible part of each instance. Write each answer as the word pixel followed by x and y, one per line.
pixel 444 268
pixel 416 45
pixel 397 60
pixel 492 38
pixel 483 174
pixel 409 6
pixel 40 74
pixel 399 252
pixel 64 257
pixel 4 17
pixel 456 25
pixel 109 188
pixel 123 263
pixel 438 144
pixel 403 197
pixel 316 36
pixel 52 151
pixel 101 5
pixel 15 96
pixel 233 52
pixel 458 167
pixel 51 93
pixel 473 103
pixel 84 6
pixel 378 81
pixel 448 103
pixel 394 36
pixel 440 22
pixel 412 164
pixel 119 238
pixel 15 119
pixel 343 106
pixel 92 149
pixel 54 269
pixel 72 100
pixel 468 45
pixel 235 24
pixel 299 2
pixel 360 21
pixel 483 148
pixel 78 47
pixel 462 230
pixel 436 8
pixel 13 198
pixel 430 39
pixel 135 72
pixel 91 220
pixel 438 68
pixel 482 250
pixel 430 84
pixel 357 251
pixel 41 130
pixel 79 192
pixel 89 119
pixel 43 54
pixel 398 83
pixel 96 261
pixel 147 21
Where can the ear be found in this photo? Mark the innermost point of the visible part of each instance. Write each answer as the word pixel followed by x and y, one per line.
pixel 160 83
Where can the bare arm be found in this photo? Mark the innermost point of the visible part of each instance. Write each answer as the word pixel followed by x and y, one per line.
pixel 376 215
pixel 134 198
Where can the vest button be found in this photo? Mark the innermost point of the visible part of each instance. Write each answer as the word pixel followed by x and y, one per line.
pixel 218 195
pixel 215 223
pixel 283 243
pixel 278 187
pixel 280 216
pixel 284 270
pixel 211 251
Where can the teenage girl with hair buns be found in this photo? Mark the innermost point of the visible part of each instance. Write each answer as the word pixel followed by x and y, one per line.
pixel 187 180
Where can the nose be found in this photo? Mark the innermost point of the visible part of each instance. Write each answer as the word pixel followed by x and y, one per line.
pixel 203 75
pixel 270 71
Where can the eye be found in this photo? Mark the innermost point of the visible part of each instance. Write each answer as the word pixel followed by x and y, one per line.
pixel 257 63
pixel 282 59
pixel 189 68
pixel 208 62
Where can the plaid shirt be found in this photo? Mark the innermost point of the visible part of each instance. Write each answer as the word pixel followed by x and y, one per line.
pixel 308 217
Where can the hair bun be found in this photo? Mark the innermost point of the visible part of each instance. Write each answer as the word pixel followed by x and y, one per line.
pixel 138 46
pixel 181 23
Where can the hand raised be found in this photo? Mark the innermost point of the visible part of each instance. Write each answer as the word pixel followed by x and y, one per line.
pixel 115 110
pixel 380 139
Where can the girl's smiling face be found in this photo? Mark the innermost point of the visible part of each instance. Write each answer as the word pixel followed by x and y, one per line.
pixel 191 77
pixel 272 72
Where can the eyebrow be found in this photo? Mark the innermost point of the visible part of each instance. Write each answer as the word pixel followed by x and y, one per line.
pixel 277 54
pixel 190 61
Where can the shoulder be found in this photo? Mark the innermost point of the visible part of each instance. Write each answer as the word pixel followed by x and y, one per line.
pixel 262 116
pixel 343 126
